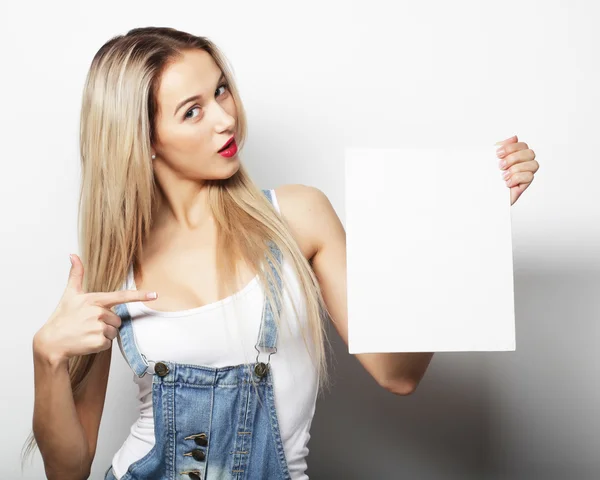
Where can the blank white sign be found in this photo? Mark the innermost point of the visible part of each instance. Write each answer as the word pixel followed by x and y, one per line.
pixel 429 251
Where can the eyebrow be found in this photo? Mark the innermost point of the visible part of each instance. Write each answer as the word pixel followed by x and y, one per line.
pixel 194 97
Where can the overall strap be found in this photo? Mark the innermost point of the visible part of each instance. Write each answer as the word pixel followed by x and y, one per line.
pixel 128 345
pixel 267 337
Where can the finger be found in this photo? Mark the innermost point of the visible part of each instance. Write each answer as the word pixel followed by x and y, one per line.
pixel 110 332
pixel 110 299
pixel 531 166
pixel 518 156
pixel 111 318
pixel 519 178
pixel 504 150
pixel 507 141
pixel 75 281
pixel 515 192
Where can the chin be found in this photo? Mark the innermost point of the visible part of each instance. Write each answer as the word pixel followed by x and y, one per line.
pixel 234 165
pixel 228 170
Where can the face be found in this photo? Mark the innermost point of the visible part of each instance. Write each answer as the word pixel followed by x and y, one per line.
pixel 196 117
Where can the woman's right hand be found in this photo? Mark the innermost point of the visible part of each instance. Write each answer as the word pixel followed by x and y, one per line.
pixel 83 323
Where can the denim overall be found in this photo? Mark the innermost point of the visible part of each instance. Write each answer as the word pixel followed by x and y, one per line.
pixel 211 423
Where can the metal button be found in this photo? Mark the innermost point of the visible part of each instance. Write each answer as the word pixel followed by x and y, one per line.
pixel 194 476
pixel 261 369
pixel 161 369
pixel 201 440
pixel 198 455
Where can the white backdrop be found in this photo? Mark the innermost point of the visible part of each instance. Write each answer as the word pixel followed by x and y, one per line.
pixel 317 77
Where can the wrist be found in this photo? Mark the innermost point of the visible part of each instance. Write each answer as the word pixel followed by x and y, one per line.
pixel 45 352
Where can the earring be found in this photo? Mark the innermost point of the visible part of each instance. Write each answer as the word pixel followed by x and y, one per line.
pixel 153 157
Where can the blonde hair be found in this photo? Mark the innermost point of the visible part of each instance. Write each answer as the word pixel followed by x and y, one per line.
pixel 118 189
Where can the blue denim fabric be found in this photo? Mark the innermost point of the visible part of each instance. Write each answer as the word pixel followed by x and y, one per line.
pixel 230 411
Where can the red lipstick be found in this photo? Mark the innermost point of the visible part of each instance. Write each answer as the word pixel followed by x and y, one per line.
pixel 229 149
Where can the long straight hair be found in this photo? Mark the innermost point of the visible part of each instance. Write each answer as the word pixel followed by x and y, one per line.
pixel 118 194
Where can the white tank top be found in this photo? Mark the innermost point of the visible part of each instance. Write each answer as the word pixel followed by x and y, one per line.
pixel 223 334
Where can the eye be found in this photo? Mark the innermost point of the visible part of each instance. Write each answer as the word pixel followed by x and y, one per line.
pixel 224 85
pixel 191 110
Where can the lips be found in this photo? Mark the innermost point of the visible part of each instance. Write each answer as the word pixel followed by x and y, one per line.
pixel 229 142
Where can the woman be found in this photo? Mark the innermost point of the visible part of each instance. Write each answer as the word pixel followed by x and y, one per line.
pixel 230 356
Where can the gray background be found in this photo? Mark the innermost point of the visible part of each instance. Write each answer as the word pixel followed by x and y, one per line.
pixel 317 78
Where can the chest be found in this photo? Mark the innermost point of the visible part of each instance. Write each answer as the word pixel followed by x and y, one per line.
pixel 184 272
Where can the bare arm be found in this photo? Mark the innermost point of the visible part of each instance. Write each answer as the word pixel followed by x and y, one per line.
pixel 66 432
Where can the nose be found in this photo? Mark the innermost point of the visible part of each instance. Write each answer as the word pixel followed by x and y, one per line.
pixel 224 121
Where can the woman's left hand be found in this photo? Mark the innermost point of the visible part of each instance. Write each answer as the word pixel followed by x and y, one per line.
pixel 519 167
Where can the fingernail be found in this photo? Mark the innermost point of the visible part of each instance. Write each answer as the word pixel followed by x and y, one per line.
pixel 152 295
pixel 500 152
pixel 502 164
pixel 506 174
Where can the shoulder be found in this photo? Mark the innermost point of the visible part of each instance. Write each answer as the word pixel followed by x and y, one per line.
pixel 308 213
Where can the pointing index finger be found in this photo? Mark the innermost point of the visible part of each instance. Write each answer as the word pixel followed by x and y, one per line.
pixel 110 299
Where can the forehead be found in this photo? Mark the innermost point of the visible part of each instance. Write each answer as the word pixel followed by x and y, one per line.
pixel 193 72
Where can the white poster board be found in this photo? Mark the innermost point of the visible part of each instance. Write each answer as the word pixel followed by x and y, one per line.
pixel 429 251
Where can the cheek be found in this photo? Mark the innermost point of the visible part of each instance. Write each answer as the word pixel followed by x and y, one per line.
pixel 187 139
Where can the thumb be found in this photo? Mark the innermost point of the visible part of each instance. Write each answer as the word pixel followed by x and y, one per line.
pixel 75 281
